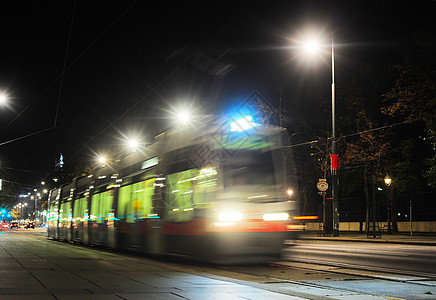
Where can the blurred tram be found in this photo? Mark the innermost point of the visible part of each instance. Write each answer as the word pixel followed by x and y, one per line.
pixel 215 193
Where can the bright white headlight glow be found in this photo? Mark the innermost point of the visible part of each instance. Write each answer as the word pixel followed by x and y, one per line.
pixel 229 216
pixel 276 217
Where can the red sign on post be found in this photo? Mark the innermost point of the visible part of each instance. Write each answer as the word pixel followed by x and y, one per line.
pixel 334 163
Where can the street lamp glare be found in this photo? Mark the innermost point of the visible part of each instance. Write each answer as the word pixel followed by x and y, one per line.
pixel 101 159
pixel 133 144
pixel 311 46
pixel 184 116
pixel 3 98
pixel 388 180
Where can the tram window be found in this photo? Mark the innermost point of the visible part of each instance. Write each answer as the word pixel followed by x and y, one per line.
pixel 142 194
pixel 180 195
pixel 135 200
pixel 65 213
pixel 53 214
pixel 106 201
pixel 124 196
pixel 204 185
pixel 101 206
pixel 80 206
pixel 94 207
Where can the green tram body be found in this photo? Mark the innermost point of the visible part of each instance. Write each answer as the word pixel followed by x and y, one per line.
pixel 202 192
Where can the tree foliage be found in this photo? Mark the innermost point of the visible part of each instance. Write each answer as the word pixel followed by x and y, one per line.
pixel 413 97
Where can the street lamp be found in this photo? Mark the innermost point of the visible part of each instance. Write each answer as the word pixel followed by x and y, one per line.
pixel 3 98
pixel 101 159
pixel 311 46
pixel 183 116
pixel 388 182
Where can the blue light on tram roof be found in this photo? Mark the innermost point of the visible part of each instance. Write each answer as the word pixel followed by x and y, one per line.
pixel 243 124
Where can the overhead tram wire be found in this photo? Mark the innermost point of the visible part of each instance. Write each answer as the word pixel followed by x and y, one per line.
pixel 65 69
pixel 73 62
pixel 153 90
pixel 140 100
pixel 348 135
pixel 25 136
pixel 370 130
pixel 65 63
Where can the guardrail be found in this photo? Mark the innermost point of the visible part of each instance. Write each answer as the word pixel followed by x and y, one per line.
pixel 419 226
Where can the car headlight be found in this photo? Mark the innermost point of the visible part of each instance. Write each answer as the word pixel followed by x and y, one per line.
pixel 276 217
pixel 229 216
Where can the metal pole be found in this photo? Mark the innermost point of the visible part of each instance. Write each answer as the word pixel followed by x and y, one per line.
pixel 389 212
pixel 410 206
pixel 334 160
pixel 373 217
pixel 324 215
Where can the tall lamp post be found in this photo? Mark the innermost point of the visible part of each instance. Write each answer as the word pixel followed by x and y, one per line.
pixel 311 46
pixel 334 157
pixel 388 182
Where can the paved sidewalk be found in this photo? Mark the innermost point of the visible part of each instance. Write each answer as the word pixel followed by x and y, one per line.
pixel 427 240
pixel 32 267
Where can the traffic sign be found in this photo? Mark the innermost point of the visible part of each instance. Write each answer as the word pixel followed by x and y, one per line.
pixel 322 185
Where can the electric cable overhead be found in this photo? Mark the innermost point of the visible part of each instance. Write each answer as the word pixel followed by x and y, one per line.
pixel 65 63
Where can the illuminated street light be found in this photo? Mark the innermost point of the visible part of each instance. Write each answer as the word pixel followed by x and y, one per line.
pixel 133 144
pixel 101 159
pixel 183 116
pixel 311 46
pixel 3 98
pixel 388 182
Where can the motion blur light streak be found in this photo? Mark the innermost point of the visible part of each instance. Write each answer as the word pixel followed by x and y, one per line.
pixel 276 217
pixel 305 217
pixel 219 224
pixel 230 216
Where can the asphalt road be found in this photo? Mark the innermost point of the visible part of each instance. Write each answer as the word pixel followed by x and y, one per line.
pixel 403 259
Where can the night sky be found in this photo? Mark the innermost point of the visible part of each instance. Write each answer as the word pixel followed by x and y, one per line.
pixel 81 75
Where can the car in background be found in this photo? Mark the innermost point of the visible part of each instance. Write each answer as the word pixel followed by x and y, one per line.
pixel 30 225
pixel 14 224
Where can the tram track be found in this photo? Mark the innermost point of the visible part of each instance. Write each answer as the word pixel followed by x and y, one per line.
pixel 362 271
pixel 336 278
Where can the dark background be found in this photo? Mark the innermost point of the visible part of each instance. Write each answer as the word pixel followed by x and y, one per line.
pixel 81 76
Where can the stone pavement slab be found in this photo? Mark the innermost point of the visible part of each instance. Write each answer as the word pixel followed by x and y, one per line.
pixel 37 268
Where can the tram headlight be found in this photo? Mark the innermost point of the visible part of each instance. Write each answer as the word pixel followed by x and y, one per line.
pixel 229 216
pixel 276 217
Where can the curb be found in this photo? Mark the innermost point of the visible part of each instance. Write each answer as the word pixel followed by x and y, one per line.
pixel 370 240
